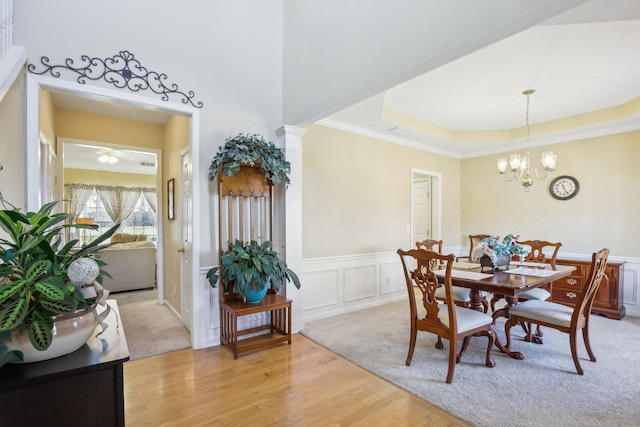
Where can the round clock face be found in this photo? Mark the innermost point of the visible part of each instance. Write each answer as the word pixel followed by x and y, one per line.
pixel 564 187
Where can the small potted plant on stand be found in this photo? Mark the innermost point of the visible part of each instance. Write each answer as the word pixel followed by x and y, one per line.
pixel 43 282
pixel 250 270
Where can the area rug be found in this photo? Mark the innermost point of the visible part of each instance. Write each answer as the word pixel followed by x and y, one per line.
pixel 541 390
pixel 150 328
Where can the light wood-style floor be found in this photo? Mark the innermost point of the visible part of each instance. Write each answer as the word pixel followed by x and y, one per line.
pixel 299 385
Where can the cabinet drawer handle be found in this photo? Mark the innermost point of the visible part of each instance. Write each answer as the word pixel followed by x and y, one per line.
pixel 571 294
pixel 572 281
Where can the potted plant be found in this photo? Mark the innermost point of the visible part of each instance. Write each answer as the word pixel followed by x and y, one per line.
pixel 251 150
pixel 495 253
pixel 251 269
pixel 35 287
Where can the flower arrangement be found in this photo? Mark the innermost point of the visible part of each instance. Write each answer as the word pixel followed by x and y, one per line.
pixel 493 247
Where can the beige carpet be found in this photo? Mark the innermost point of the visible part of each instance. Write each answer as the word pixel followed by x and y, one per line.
pixel 150 328
pixel 542 390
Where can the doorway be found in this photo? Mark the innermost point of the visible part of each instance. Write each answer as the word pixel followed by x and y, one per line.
pixel 425 206
pixel 114 98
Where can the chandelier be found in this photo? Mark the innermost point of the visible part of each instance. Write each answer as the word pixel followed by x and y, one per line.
pixel 520 164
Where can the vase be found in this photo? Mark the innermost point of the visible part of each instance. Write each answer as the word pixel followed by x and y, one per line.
pixel 254 294
pixel 70 332
pixel 501 261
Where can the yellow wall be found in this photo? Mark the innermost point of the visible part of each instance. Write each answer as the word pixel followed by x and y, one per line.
pixel 83 176
pixel 176 140
pixel 12 151
pixel 356 196
pixel 46 118
pixel 603 214
pixel 96 127
pixel 357 193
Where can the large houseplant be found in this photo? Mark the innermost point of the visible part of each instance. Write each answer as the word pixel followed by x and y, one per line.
pixel 34 280
pixel 251 268
pixel 251 150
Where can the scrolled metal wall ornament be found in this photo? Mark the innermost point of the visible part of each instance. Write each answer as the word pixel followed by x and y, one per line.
pixel 122 71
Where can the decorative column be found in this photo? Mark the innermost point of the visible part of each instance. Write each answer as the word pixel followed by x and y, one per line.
pixel 288 223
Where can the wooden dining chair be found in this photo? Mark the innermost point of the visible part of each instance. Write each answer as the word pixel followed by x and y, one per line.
pixel 474 239
pixel 431 245
pixel 561 317
pixel 448 320
pixel 461 296
pixel 536 254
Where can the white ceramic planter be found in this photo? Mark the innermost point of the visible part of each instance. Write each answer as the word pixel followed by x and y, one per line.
pixel 70 332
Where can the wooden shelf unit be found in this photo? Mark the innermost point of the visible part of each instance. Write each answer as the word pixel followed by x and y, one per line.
pixel 278 329
pixel 608 301
pixel 246 213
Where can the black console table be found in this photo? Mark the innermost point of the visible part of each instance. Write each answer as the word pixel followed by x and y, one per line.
pixel 84 388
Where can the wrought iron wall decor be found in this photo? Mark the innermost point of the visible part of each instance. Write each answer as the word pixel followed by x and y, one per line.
pixel 121 70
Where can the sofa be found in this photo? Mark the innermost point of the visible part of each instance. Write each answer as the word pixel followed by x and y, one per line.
pixel 131 262
pixel 127 238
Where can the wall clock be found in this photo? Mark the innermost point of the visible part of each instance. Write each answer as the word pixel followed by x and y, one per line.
pixel 564 187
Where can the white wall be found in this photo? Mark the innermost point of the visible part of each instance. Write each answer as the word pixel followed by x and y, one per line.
pixel 339 52
pixel 228 53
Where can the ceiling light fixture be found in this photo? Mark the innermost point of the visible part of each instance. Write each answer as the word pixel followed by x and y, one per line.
pixel 521 169
pixel 108 159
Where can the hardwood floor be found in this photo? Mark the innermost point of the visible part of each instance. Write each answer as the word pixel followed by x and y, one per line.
pixel 299 385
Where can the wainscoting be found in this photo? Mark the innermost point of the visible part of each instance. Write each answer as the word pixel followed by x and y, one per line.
pixel 336 285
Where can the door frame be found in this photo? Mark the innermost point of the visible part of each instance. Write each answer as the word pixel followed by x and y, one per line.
pixel 436 202
pixel 35 83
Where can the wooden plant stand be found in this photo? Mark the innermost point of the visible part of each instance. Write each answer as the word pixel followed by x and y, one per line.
pixel 278 329
pixel 246 213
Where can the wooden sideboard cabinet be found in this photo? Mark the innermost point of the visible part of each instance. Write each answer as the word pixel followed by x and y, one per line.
pixel 608 301
pixel 83 388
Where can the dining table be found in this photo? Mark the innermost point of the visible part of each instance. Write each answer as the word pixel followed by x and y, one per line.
pixel 510 281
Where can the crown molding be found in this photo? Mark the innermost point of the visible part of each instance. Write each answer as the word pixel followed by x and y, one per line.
pixel 574 135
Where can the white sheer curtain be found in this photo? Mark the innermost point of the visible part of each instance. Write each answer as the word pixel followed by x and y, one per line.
pixel 119 202
pixel 151 197
pixel 77 194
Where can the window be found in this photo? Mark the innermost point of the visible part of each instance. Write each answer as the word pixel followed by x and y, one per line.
pixel 141 221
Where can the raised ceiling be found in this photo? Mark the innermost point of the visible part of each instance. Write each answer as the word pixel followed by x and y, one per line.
pixel 584 66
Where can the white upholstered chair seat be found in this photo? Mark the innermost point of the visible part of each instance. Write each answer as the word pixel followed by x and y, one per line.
pixel 459 293
pixel 535 293
pixel 543 311
pixel 466 318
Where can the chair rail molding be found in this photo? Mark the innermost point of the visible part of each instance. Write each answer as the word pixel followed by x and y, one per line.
pixel 337 285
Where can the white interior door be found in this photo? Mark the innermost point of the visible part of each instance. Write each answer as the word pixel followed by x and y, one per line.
pixel 186 227
pixel 421 209
pixel 49 174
